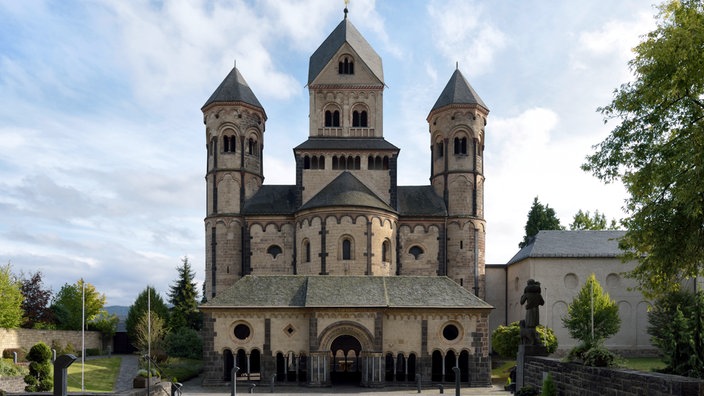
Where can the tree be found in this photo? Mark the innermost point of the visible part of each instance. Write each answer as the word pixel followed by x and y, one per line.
pixel 36 301
pixel 657 150
pixel 506 339
pixel 586 221
pixel 183 295
pixel 150 297
pixel 149 333
pixel 39 378
pixel 68 305
pixel 539 218
pixel 592 317
pixel 106 324
pixel 676 324
pixel 11 298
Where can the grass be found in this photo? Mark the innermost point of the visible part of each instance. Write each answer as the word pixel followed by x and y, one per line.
pixel 100 374
pixel 499 375
pixel 643 364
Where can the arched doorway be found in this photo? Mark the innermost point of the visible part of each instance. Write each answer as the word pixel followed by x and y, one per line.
pixel 345 363
pixel 228 364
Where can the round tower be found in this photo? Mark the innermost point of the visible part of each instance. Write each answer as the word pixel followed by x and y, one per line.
pixel 234 127
pixel 456 125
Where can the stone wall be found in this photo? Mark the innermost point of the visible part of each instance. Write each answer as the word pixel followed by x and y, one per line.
pixel 26 338
pixel 576 379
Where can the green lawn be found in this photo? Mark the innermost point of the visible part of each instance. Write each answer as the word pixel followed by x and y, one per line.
pixel 643 364
pixel 99 374
pixel 499 375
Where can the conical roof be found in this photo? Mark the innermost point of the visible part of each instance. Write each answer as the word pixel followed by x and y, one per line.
pixel 345 32
pixel 458 91
pixel 233 88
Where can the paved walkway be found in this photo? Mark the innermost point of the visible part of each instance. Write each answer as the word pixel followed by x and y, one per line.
pixel 128 370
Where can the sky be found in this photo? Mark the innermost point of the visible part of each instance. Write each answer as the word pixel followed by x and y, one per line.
pixel 102 142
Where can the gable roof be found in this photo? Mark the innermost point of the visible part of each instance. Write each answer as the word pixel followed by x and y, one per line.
pixel 571 244
pixel 321 291
pixel 345 32
pixel 335 143
pixel 233 88
pixel 346 190
pixel 458 91
pixel 420 201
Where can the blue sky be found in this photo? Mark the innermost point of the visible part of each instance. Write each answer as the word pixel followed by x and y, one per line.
pixel 102 143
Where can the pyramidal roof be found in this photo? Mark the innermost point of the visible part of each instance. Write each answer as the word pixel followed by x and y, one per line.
pixel 346 190
pixel 345 32
pixel 233 89
pixel 458 91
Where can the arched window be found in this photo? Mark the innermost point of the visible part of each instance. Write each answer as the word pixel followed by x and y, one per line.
pixel 274 250
pixel 355 118
pixel 363 119
pixel 226 143
pixel 385 163
pixel 306 162
pixel 357 162
pixel 306 251
pixel 461 145
pixel 335 162
pixel 328 118
pixel 440 149
pixel 346 248
pixel 345 66
pixel 252 146
pixel 335 118
pixel 416 251
pixel 385 251
pixel 314 162
pixel 359 119
pixel 321 162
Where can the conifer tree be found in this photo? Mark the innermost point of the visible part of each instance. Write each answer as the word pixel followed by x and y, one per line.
pixel 540 217
pixel 183 295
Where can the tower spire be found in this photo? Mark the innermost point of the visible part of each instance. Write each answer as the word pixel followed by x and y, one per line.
pixel 346 10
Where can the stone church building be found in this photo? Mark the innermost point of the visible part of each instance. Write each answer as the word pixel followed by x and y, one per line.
pixel 345 276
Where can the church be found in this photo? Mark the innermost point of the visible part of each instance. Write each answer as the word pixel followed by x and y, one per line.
pixel 345 277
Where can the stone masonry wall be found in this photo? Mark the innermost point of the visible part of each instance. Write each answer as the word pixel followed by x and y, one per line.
pixel 26 338
pixel 576 379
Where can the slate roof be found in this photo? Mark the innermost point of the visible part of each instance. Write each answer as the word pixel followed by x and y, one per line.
pixel 420 201
pixel 323 291
pixel 346 190
pixel 272 200
pixel 345 32
pixel 458 91
pixel 233 88
pixel 334 143
pixel 571 244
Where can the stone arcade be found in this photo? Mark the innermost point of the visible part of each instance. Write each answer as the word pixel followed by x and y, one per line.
pixel 345 276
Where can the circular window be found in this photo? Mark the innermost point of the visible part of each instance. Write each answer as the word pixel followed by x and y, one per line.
pixel 450 332
pixel 242 331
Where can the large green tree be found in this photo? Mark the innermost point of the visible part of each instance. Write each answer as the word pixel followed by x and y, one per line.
pixel 657 150
pixel 592 317
pixel 148 297
pixel 10 298
pixel 183 295
pixel 587 221
pixel 68 305
pixel 540 217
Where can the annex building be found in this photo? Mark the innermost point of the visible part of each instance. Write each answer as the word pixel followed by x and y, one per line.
pixel 345 276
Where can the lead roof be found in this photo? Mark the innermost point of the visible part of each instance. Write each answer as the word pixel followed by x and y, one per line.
pixel 458 91
pixel 571 244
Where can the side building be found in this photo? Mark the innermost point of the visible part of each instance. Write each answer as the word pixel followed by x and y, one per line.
pixel 345 276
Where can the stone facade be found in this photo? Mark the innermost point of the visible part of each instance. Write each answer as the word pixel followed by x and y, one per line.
pixel 345 216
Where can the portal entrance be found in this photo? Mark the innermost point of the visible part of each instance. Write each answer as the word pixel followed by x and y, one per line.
pixel 344 366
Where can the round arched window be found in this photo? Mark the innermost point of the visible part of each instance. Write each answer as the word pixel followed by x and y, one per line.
pixel 242 331
pixel 450 332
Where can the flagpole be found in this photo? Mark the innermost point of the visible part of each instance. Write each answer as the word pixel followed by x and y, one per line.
pixel 83 335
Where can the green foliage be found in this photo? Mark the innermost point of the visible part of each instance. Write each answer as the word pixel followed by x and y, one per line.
pixel 8 354
pixel 150 297
pixel 182 369
pixel 540 217
pixel 657 150
pixel 149 334
pixel 549 388
pixel 528 391
pixel 505 339
pixel 36 302
pixel 578 321
pixel 184 342
pixel 183 295
pixel 106 324
pixel 39 378
pixel 9 369
pixel 68 305
pixel 586 221
pixel 677 329
pixel 11 301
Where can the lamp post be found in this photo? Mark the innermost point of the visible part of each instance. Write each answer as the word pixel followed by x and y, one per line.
pixel 234 380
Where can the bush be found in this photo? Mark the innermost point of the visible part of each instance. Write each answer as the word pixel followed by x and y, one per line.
pixel 21 354
pixel 505 339
pixel 549 387
pixel 9 369
pixel 527 391
pixel 596 356
pixel 39 378
pixel 92 352
pixel 184 342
